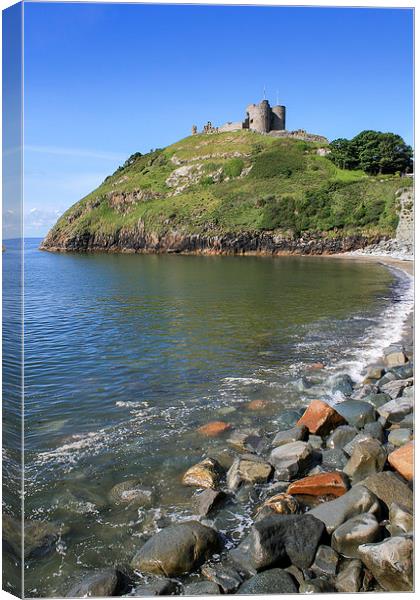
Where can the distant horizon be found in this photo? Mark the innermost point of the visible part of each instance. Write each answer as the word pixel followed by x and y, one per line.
pixel 103 81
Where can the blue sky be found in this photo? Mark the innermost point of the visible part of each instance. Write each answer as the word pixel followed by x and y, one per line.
pixel 103 81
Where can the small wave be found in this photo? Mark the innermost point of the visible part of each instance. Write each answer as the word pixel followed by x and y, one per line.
pixel 244 380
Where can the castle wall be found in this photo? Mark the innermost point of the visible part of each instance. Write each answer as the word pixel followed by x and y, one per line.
pixel 231 126
pixel 278 118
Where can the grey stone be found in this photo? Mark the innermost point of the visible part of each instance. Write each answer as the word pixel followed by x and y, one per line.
pixel 239 438
pixel 350 576
pixel 389 376
pixel 277 537
pixel 225 576
pixel 395 389
pixel 399 437
pixel 333 460
pixel 375 430
pixel 368 456
pixel 360 437
pixel 356 501
pixel 272 581
pixel 208 501
pixel 395 358
pixel 288 419
pixel 248 469
pixel 106 582
pixel 390 562
pixel 364 390
pixel 407 421
pixel 317 586
pixel 315 441
pixel 375 372
pixel 291 459
pixel 159 587
pixel 356 412
pixel 403 372
pixel 130 491
pixel 177 549
pixel 341 436
pixel 343 384
pixel 296 434
pixel 201 588
pixel 400 520
pixel 389 488
pixel 361 529
pixel 326 561
pixel 395 410
pixel 377 399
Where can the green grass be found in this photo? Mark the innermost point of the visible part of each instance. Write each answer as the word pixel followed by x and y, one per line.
pixel 267 183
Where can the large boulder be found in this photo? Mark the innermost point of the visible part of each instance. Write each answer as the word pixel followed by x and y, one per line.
pixel 326 561
pixel 273 581
pixel 160 586
pixel 361 529
pixel 356 501
pixel 293 538
pixel 368 456
pixel 320 418
pixel 390 562
pixel 177 549
pixel 341 436
pixel 402 460
pixel 291 459
pixel 396 389
pixel 394 411
pixel 323 484
pixel 296 434
pixel 224 575
pixel 356 412
pixel 201 588
pixel 400 520
pixel 130 491
pixel 343 384
pixel 208 501
pixel 395 357
pixel 377 400
pixel 400 437
pixel 350 576
pixel 248 469
pixel 205 474
pixel 389 488
pixel 103 583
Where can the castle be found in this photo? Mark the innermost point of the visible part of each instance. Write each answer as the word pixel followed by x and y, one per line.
pixel 263 118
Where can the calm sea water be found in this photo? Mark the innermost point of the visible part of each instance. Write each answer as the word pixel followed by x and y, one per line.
pixel 127 355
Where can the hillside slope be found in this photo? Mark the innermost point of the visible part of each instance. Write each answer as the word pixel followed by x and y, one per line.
pixel 231 192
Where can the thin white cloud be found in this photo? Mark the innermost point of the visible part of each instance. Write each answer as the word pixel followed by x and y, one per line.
pixel 77 152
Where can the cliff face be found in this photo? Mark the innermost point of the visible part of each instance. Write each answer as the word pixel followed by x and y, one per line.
pixel 237 192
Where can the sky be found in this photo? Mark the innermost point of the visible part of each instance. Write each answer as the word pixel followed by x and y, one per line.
pixel 104 81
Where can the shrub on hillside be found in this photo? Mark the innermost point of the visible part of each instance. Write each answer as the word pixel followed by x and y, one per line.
pixel 233 167
pixel 278 162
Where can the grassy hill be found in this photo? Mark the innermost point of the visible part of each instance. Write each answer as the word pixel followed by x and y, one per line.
pixel 229 183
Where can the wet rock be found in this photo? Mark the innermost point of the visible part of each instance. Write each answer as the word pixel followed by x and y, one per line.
pixel 282 504
pixel 368 457
pixel 374 430
pixel 201 588
pixel 395 358
pixel 361 529
pixel 159 587
pixel 295 434
pixel 288 419
pixel 315 441
pixel 240 437
pixel 350 576
pixel 333 460
pixel 395 389
pixel 226 410
pixel 107 582
pixel 326 561
pixel 399 437
pixel 291 459
pixel 395 410
pixel 360 437
pixel 272 581
pixel 402 460
pixel 177 549
pixel 208 501
pixel 40 537
pixel 205 474
pixel 389 376
pixel 292 537
pixel 320 418
pixel 356 501
pixel 316 366
pixel 257 404
pixel 343 384
pixel 214 429
pixel 377 400
pixel 400 520
pixel 297 574
pixel 403 372
pixel 341 436
pixel 391 563
pixel 130 491
pixel 364 390
pixel 225 576
pixel 248 469
pixel 389 488
pixel 324 484
pixel 319 585
pixel 356 412
pixel 375 372
pixel 408 421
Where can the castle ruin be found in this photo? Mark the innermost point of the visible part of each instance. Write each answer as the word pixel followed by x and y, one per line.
pixel 265 119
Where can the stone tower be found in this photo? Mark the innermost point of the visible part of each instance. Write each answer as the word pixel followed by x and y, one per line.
pixel 262 118
pixel 278 118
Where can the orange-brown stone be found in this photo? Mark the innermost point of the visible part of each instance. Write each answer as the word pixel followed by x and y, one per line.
pixel 257 404
pixel 214 428
pixel 320 418
pixel 402 460
pixel 321 484
pixel 316 366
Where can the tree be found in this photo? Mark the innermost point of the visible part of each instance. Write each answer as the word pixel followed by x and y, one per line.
pixel 374 152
